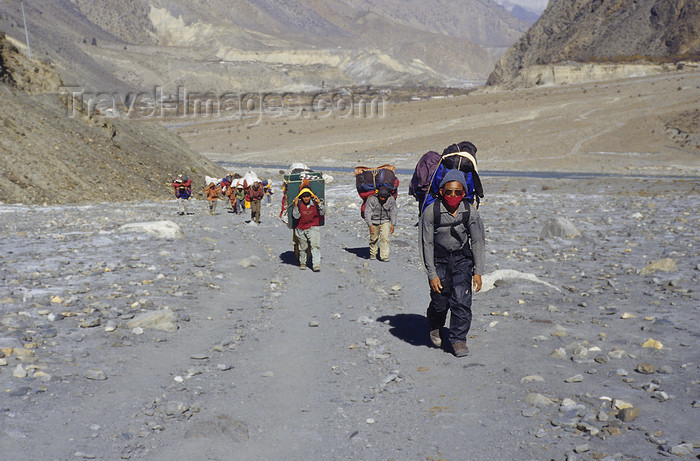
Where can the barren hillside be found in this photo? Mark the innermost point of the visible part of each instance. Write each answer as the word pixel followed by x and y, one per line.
pixel 607 31
pixel 50 155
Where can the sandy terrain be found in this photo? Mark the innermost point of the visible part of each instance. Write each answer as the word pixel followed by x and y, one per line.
pixel 623 126
pixel 249 375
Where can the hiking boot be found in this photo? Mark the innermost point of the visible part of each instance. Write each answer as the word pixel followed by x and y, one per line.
pixel 460 348
pixel 372 257
pixel 302 267
pixel 317 269
pixel 435 337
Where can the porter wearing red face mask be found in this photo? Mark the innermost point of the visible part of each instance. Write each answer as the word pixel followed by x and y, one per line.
pixel 452 235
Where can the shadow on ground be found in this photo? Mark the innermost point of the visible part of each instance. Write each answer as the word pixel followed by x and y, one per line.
pixel 411 328
pixel 288 258
pixel 360 252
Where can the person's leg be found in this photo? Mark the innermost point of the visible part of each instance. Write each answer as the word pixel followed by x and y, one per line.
pixel 180 206
pixel 460 300
pixel 373 243
pixel 315 241
pixel 213 206
pixel 384 241
pixel 438 307
pixel 303 246
pixel 184 205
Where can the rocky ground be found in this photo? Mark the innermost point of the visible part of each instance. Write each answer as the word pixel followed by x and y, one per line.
pixel 215 346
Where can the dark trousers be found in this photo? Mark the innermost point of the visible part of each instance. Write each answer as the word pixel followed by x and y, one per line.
pixel 455 272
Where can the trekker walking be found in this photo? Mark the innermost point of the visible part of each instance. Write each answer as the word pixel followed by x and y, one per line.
pixel 255 195
pixel 380 216
pixel 267 188
pixel 213 191
pixel 183 190
pixel 307 214
pixel 453 243
pixel 239 198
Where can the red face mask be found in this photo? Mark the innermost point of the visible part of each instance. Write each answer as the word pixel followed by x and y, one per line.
pixel 452 202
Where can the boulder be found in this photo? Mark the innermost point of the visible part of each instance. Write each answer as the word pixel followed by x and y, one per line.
pixel 664 265
pixel 157 229
pixel 489 281
pixel 163 320
pixel 559 227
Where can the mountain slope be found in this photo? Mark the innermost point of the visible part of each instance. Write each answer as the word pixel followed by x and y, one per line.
pixel 50 155
pixel 267 44
pixel 605 30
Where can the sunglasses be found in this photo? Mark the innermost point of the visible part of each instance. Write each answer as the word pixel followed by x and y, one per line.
pixel 453 192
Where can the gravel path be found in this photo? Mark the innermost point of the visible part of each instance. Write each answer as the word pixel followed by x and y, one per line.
pixel 269 362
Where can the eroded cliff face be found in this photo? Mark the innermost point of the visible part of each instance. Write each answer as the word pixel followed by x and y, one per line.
pixel 604 31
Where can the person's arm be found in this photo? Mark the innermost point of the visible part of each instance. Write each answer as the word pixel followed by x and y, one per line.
pixel 477 236
pixel 427 240
pixel 369 210
pixel 393 211
pixel 319 206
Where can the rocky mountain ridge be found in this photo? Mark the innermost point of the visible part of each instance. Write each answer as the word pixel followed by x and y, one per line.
pixel 246 45
pixel 603 31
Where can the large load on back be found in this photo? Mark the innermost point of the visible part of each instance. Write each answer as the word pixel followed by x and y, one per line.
pixel 369 180
pixel 298 178
pixel 431 168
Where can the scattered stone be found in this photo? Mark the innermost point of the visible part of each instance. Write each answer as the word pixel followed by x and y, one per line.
pixel 56 299
pixel 628 414
pixel 251 261
pixel 396 287
pixel 621 404
pixel 652 343
pixel 313 323
pixel 683 449
pixel 617 354
pixel 529 412
pixel 268 374
pixel 163 320
pixel 19 371
pixel 42 376
pixel 559 353
pixel 665 265
pixel 224 367
pixel 137 331
pixel 111 326
pixel 157 229
pixel 532 378
pixel 661 396
pixel 175 408
pixel 559 227
pixel 95 374
pixel 81 454
pixel 627 315
pixel 581 448
pixel 538 400
pixel 666 369
pixel 645 368
pixel 89 322
pixel 574 379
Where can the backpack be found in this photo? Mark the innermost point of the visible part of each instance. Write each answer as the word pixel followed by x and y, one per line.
pixel 453 158
pixel 420 181
pixel 369 180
